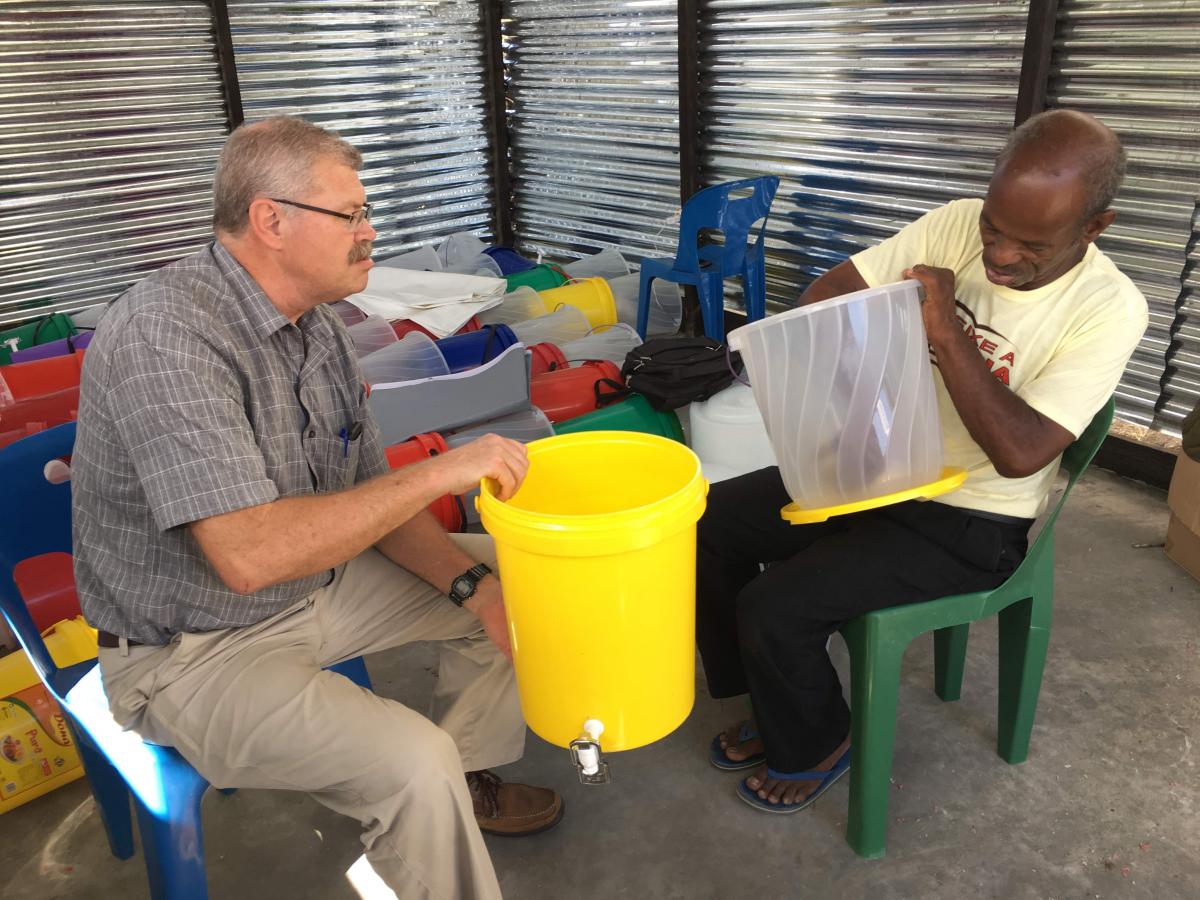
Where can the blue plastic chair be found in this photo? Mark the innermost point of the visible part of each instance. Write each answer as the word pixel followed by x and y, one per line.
pixel 166 789
pixel 706 267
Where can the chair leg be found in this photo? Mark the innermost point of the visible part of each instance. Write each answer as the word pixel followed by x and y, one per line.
pixel 111 796
pixel 1022 661
pixel 754 284
pixel 354 669
pixel 173 845
pixel 643 315
pixel 949 659
pixel 711 290
pixel 874 687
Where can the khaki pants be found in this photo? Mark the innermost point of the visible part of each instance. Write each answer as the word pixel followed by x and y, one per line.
pixel 252 707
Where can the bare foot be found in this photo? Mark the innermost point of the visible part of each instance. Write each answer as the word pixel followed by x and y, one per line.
pixel 737 751
pixel 778 791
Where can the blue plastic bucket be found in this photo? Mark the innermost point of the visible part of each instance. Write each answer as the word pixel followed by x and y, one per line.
pixel 474 348
pixel 509 260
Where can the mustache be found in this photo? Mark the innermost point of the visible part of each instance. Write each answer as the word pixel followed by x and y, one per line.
pixel 361 250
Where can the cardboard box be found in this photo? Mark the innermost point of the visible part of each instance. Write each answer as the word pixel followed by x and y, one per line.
pixel 1183 532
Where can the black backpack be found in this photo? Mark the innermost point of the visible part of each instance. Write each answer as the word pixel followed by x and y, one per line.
pixel 674 371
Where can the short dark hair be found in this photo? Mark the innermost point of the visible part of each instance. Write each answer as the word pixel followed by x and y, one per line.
pixel 1101 160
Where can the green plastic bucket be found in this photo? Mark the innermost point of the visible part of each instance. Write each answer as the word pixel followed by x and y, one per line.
pixel 43 331
pixel 540 278
pixel 634 414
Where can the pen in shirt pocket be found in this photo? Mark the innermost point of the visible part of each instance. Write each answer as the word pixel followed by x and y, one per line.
pixel 349 434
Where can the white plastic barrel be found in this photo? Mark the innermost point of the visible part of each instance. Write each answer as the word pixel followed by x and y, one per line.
pixel 846 390
pixel 728 434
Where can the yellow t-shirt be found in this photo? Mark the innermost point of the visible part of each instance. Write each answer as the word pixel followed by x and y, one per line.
pixel 1061 347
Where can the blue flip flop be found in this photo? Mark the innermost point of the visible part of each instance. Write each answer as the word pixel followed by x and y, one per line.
pixel 827 779
pixel 717 756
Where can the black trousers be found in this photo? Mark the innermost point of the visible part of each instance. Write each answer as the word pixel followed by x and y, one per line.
pixel 764 632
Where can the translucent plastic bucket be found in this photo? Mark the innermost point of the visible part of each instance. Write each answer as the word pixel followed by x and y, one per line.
pixel 666 303
pixel 566 393
pixel 479 264
pixel 519 305
pixel 560 327
pixel 545 358
pixel 414 356
pixel 612 343
pixel 634 414
pixel 525 426
pixel 605 264
pixel 597 554
pixel 466 351
pixel 846 391
pixel 591 295
pixel 728 432
pixel 458 249
pixel 371 334
pixel 423 259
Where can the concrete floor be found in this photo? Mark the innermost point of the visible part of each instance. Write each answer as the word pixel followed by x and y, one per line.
pixel 1106 806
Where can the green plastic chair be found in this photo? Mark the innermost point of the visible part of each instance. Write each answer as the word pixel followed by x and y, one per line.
pixel 877 641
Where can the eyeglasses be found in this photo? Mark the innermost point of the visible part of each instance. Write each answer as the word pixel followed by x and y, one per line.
pixel 354 220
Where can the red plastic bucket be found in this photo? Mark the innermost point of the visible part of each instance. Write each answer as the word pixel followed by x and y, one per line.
pixel 447 509
pixel 404 326
pixel 57 408
pixel 566 393
pixel 42 376
pixel 546 358
pixel 47 585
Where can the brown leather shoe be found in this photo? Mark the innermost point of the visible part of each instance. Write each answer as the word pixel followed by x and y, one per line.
pixel 512 810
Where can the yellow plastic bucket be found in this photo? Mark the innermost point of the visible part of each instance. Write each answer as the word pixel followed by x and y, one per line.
pixel 592 296
pixel 597 554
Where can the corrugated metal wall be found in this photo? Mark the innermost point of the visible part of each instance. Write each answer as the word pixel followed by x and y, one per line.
pixel 594 119
pixel 1136 65
pixel 402 80
pixel 111 124
pixel 872 114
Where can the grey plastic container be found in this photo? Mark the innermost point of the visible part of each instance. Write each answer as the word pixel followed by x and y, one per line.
pixel 494 389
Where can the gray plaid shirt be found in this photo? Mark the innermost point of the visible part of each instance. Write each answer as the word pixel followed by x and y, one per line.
pixel 199 398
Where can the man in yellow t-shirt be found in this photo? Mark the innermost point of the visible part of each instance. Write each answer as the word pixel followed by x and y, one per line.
pixel 1030 327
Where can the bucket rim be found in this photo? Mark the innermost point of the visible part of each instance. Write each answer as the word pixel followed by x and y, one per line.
pixel 742 332
pixel 692 492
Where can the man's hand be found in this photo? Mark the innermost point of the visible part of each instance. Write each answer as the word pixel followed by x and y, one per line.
pixel 938 309
pixel 503 460
pixel 487 603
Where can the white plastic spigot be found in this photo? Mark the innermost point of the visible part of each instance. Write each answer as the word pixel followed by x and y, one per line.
pixel 589 754
pixel 585 751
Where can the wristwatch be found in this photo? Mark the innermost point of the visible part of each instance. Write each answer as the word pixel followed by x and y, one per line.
pixel 463 587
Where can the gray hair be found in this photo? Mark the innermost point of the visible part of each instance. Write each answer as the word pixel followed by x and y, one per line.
pixel 274 158
pixel 1080 140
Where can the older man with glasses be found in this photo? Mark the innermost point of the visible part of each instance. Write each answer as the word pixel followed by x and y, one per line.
pixel 237 530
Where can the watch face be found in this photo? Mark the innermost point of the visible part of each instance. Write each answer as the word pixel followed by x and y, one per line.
pixel 462 586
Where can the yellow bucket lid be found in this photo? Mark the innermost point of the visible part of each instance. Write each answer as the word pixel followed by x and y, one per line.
pixel 950 479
